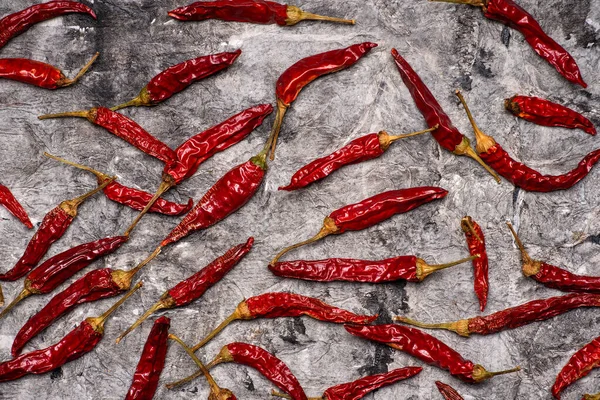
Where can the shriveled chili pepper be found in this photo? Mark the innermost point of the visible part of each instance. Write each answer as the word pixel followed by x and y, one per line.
pixel 362 149
pixel 448 391
pixel 521 175
pixel 546 113
pixel 371 211
pixel 75 344
pixel 196 285
pixel 255 11
pixel 303 72
pixel 178 77
pixel 476 243
pixel 152 362
pixel 8 200
pixel 514 317
pixel 53 226
pixel 427 349
pixel 447 135
pixel 579 365
pixel 14 24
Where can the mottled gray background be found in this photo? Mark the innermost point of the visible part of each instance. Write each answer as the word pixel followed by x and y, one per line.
pixel 450 46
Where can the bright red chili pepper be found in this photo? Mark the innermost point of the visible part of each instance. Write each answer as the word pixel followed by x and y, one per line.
pixel 427 349
pixel 8 200
pixel 14 24
pixel 546 113
pixel 579 365
pixel 448 391
pixel 255 11
pixel 152 362
pixel 476 243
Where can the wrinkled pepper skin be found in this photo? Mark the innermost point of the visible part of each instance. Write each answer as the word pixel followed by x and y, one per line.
pixel 361 387
pixel 561 279
pixel 255 11
pixel 476 244
pixel 8 200
pixel 579 365
pixel 32 72
pixel 137 199
pixel 448 391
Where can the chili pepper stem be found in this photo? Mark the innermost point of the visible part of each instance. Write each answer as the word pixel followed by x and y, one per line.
pixel 23 295
pixel 272 142
pixel 98 174
pixel 393 138
pixel 141 265
pixel 233 317
pixel 165 185
pixel 159 305
pixel 68 82
pixel 1 297
pixel 424 269
pixel 74 114
pixel 476 3
pixel 530 266
pixel 484 142
pixel 480 373
pixel 98 322
pixel 467 226
pixel 460 327
pixel 70 206
pixel 140 100
pixel 295 15
pixel 327 229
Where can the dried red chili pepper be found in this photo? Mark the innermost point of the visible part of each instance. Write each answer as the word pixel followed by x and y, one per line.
pixel 476 243
pixel 579 365
pixel 362 149
pixel 446 134
pixel 427 349
pixel 546 113
pixel 53 226
pixel 371 211
pixel 196 285
pixel 521 175
pixel 448 391
pixel 75 344
pixel 303 72
pixel 178 77
pixel 255 11
pixel 14 24
pixel 8 200
pixel 514 317
pixel 152 362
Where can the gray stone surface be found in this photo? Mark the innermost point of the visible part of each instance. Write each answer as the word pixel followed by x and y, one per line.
pixel 450 46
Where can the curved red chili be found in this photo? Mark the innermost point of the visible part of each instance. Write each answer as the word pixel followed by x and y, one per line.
pixel 8 200
pixel 476 243
pixel 579 365
pixel 448 391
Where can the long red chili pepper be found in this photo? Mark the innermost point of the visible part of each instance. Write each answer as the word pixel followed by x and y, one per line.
pixel 255 11
pixel 152 362
pixel 447 391
pixel 75 344
pixel 303 72
pixel 579 365
pixel 17 23
pixel 514 317
pixel 371 211
pixel 178 77
pixel 362 149
pixel 196 285
pixel 546 113
pixel 427 349
pixel 8 200
pixel 476 243
pixel 446 134
pixel 53 226
pixel 521 175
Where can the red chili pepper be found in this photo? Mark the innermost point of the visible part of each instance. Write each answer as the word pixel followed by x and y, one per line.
pixel 53 226
pixel 196 285
pixel 14 24
pixel 521 175
pixel 152 362
pixel 448 391
pixel 255 11
pixel 8 200
pixel 547 113
pixel 178 77
pixel 303 72
pixel 75 344
pixel 371 211
pixel 579 365
pixel 427 349
pixel 476 243
pixel 362 149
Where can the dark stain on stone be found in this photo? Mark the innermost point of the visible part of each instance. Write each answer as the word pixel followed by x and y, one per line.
pixel 248 383
pixel 505 36
pixel 480 63
pixel 378 363
pixel 595 239
pixel 464 81
pixel 293 328
pixel 56 374
pixel 573 22
pixel 515 196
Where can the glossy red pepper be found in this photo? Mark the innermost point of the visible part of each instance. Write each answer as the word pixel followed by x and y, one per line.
pixel 448 391
pixel 579 365
pixel 8 200
pixel 476 243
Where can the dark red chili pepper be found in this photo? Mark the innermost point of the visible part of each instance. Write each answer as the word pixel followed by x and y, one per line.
pixel 53 226
pixel 152 362
pixel 196 285
pixel 255 11
pixel 521 175
pixel 14 24
pixel 476 243
pixel 362 149
pixel 546 113
pixel 75 344
pixel 303 72
pixel 448 391
pixel 178 77
pixel 427 349
pixel 579 365
pixel 371 211
pixel 8 200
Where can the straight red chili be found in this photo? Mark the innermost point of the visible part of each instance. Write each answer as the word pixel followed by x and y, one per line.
pixel 448 391
pixel 546 113
pixel 579 365
pixel 476 243
pixel 8 200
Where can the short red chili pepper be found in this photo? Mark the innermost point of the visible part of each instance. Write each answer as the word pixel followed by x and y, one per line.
pixel 362 149
pixel 8 200
pixel 579 365
pixel 427 349
pixel 476 243
pixel 521 175
pixel 74 345
pixel 152 362
pixel 447 391
pixel 53 226
pixel 371 211
pixel 14 24
pixel 546 113
pixel 255 11
pixel 196 285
